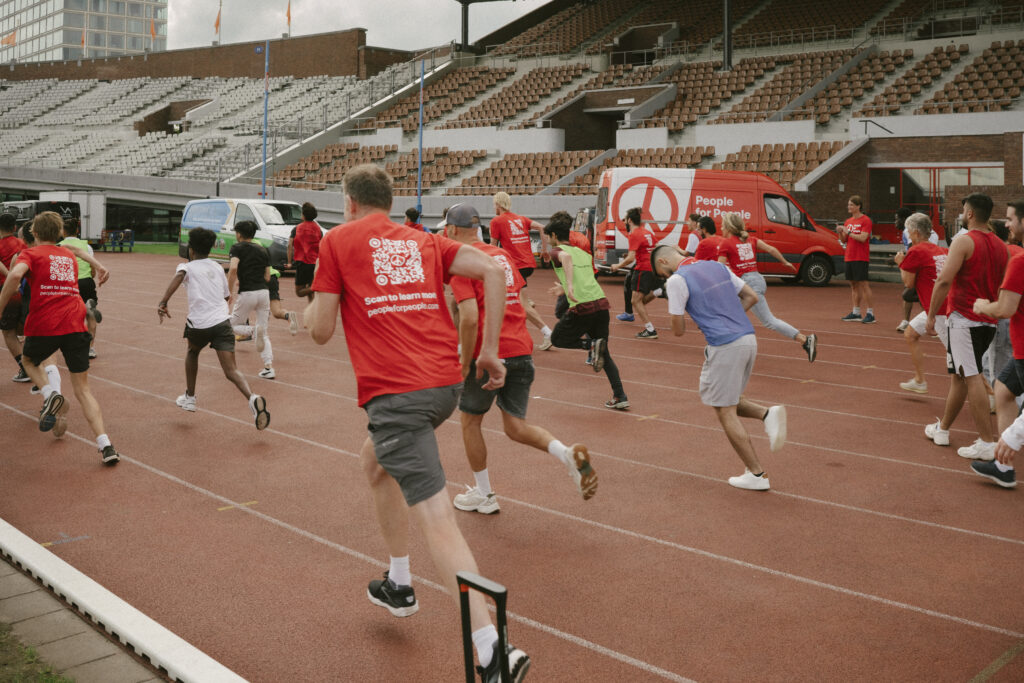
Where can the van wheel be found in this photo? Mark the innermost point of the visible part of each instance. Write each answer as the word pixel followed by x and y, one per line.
pixel 815 271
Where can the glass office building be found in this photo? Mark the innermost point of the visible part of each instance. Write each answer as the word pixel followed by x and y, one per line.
pixel 44 30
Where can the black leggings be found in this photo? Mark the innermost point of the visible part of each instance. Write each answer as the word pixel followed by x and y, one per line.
pixel 568 334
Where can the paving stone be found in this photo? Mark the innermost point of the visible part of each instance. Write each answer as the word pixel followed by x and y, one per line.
pixel 75 650
pixel 49 627
pixel 29 605
pixel 16 584
pixel 120 668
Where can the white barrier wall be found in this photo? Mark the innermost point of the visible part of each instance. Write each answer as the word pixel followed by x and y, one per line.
pixel 937 125
pixel 731 138
pixel 641 138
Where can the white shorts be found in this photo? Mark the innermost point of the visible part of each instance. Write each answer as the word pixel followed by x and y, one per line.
pixel 726 371
pixel 918 324
pixel 965 348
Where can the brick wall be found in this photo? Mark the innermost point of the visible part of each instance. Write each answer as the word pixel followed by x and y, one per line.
pixel 1001 195
pixel 333 54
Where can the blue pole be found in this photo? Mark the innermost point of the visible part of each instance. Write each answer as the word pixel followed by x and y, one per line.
pixel 266 103
pixel 419 172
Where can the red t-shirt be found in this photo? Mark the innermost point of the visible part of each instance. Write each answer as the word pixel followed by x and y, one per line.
pixel 514 234
pixel 415 226
pixel 925 261
pixel 642 241
pixel 9 246
pixel 1015 249
pixel 306 245
pixel 514 340
pixel 391 282
pixel 742 255
pixel 707 250
pixel 1014 282
pixel 57 307
pixel 858 251
pixel 579 240
pixel 979 276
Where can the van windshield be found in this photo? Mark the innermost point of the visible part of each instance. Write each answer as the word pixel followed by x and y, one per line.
pixel 279 214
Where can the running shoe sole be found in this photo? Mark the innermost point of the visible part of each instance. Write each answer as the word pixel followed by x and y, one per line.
pixel 583 474
pixel 1004 484
pixel 259 409
pixel 812 347
pixel 293 323
pixel 52 407
pixel 617 404
pixel 597 352
pixel 109 456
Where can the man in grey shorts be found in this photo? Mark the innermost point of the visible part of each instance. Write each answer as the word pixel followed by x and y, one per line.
pixel 717 301
pixel 515 349
pixel 389 284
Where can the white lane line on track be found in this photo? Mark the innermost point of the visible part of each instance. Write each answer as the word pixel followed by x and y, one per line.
pixel 573 518
pixel 550 630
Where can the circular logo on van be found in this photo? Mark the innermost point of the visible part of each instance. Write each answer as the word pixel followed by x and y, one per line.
pixel 648 206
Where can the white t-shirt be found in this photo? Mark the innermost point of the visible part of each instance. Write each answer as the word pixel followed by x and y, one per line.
pixel 207 288
pixel 679 293
pixel 692 241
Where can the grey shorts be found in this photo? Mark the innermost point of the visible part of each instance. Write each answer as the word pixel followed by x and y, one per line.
pixel 402 429
pixel 726 371
pixel 512 397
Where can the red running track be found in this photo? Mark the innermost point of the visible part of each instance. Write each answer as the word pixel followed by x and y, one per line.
pixel 876 556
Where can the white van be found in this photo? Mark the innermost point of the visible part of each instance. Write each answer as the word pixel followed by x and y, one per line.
pixel 275 221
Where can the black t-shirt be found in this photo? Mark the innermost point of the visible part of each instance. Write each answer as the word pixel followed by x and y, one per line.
pixel 253 261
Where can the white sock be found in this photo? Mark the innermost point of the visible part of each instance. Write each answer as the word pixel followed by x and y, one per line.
pixel 483 481
pixel 657 292
pixel 53 377
pixel 398 572
pixel 1003 468
pixel 546 331
pixel 46 391
pixel 856 310
pixel 649 327
pixel 102 441
pixel 559 450
pixel 484 640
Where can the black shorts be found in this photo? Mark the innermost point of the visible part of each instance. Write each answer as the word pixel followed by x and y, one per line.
pixel 274 287
pixel 645 281
pixel 304 273
pixel 856 271
pixel 1012 376
pixel 220 337
pixel 526 273
pixel 74 347
pixel 87 289
pixel 11 316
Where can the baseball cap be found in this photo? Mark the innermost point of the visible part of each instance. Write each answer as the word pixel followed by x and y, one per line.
pixel 462 216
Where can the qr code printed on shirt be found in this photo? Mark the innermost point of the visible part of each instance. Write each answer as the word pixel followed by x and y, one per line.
pixel 510 279
pixel 62 269
pixel 396 262
pixel 745 251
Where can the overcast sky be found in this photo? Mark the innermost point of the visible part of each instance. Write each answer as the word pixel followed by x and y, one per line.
pixel 399 24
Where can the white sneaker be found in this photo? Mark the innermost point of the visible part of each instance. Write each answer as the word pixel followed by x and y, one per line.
pixel 979 450
pixel 259 334
pixel 472 500
pixel 902 327
pixel 915 386
pixel 186 402
pixel 268 373
pixel 937 434
pixel 92 352
pixel 546 343
pixel 775 427
pixel 293 322
pixel 748 481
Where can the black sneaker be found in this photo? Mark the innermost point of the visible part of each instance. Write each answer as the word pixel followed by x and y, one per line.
pixel 90 306
pixel 1007 480
pixel 22 376
pixel 109 456
pixel 34 390
pixel 811 347
pixel 597 353
pixel 52 406
pixel 399 600
pixel 647 334
pixel 518 665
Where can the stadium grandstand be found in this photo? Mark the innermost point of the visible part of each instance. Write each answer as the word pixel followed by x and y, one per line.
pixel 907 102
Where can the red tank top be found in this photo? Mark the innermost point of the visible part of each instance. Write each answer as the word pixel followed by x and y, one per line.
pixel 980 275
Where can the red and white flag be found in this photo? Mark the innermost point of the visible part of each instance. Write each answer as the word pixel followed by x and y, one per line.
pixel 9 39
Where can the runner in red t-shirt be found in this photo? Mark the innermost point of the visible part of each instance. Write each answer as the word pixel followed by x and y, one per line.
pixel 919 267
pixel 388 282
pixel 56 322
pixel 738 251
pixel 642 280
pixel 514 348
pixel 857 233
pixel 973 270
pixel 412 220
pixel 303 250
pixel 511 232
pixel 10 317
pixel 707 250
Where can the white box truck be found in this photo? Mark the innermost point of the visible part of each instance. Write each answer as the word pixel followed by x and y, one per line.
pixel 93 208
